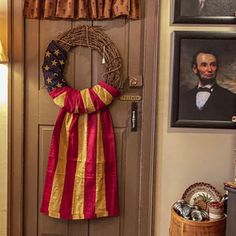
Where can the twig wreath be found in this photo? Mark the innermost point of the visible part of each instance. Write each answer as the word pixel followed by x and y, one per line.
pixel 81 176
pixel 95 38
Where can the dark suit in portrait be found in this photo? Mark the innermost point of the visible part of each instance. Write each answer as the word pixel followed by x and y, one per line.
pixel 221 105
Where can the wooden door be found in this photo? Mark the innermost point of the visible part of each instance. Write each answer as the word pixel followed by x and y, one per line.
pixel 135 150
pixel 84 69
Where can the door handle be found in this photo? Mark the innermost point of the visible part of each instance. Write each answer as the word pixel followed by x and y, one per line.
pixel 135 81
pixel 134 116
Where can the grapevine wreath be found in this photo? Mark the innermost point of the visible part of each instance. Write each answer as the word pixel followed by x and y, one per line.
pixel 81 176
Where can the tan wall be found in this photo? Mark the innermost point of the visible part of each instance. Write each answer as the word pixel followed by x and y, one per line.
pixel 185 156
pixel 3 23
pixel 3 170
pixel 3 123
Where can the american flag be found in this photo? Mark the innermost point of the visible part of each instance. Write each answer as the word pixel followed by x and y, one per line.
pixel 81 177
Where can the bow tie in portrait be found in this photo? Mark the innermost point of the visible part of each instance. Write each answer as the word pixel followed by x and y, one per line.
pixel 204 89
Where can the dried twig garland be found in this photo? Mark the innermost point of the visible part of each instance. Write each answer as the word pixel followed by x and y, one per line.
pixel 95 38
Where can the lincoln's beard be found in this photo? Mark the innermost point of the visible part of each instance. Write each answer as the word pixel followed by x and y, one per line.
pixel 204 81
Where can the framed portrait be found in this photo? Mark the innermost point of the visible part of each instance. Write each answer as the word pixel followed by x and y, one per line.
pixel 204 11
pixel 204 80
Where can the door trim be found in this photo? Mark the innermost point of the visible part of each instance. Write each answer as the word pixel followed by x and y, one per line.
pixel 148 136
pixel 16 119
pixel 150 8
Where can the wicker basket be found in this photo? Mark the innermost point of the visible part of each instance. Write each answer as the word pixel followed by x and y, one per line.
pixel 181 227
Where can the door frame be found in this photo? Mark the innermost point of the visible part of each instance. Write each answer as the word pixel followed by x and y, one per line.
pixel 16 119
pixel 148 175
pixel 149 8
